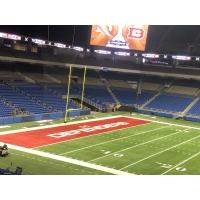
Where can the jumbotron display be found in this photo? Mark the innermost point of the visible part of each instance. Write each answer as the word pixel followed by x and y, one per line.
pixel 125 37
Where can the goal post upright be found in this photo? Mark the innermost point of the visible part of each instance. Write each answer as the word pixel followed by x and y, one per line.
pixel 68 93
pixel 83 86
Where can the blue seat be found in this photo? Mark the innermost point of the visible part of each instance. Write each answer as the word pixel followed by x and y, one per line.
pixel 170 102
pixel 195 110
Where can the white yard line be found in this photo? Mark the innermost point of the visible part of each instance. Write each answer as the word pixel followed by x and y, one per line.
pixel 69 160
pixel 137 145
pixel 160 122
pixel 133 135
pixel 182 162
pixel 160 152
pixel 61 124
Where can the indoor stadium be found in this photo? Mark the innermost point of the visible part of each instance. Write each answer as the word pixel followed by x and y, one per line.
pixel 107 100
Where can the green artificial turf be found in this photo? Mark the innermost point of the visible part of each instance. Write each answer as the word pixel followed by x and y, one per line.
pixel 37 165
pixel 153 148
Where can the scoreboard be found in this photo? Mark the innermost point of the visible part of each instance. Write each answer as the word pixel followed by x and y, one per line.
pixel 120 36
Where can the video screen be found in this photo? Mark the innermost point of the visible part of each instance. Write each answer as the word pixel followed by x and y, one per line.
pixel 120 36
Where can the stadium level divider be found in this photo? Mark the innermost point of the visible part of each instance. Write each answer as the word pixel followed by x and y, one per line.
pixel 169 115
pixel 190 118
pixel 37 117
pixel 151 112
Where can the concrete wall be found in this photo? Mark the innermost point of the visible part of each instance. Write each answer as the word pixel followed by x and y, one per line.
pixel 12 120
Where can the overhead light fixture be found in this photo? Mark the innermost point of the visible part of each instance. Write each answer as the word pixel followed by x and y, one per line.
pixel 78 48
pixel 102 52
pixel 38 41
pixel 150 55
pixel 119 53
pixel 10 36
pixel 181 57
pixel 59 45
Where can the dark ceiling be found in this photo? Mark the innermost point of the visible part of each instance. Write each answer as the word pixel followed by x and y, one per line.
pixel 183 39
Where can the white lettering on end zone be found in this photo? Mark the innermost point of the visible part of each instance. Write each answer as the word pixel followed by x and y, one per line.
pixel 87 129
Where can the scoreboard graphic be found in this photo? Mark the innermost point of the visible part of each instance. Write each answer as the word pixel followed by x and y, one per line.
pixel 125 37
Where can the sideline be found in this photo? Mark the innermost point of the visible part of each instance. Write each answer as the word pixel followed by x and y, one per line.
pixel 168 123
pixel 69 160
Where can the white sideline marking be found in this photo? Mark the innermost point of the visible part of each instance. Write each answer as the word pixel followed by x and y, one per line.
pixel 160 122
pixel 182 162
pixel 43 121
pixel 137 145
pixel 5 126
pixel 160 152
pixel 62 124
pixel 113 140
pixel 69 160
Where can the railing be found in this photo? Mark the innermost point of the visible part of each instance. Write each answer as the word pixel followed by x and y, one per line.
pixel 87 100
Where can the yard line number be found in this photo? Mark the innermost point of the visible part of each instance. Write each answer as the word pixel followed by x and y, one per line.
pixel 167 166
pixel 119 155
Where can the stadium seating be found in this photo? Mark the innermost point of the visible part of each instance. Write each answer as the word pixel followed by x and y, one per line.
pixel 96 93
pixel 195 110
pixel 170 103
pixel 118 83
pixel 21 101
pixel 5 111
pixel 176 89
pixel 44 96
pixel 42 92
pixel 99 94
pixel 130 97
pixel 151 86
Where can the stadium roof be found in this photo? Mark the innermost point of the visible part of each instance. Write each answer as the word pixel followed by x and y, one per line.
pixel 175 39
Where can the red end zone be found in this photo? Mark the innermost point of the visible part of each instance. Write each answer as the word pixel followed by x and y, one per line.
pixel 45 136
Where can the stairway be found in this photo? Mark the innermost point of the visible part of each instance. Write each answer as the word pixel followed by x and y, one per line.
pixel 161 90
pixel 54 80
pixel 184 113
pixel 107 85
pixel 87 102
pixel 189 107
pixel 149 101
pixel 26 78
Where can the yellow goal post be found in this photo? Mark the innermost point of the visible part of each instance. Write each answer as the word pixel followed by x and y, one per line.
pixel 67 109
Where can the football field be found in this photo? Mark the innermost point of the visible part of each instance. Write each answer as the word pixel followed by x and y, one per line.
pixel 106 144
